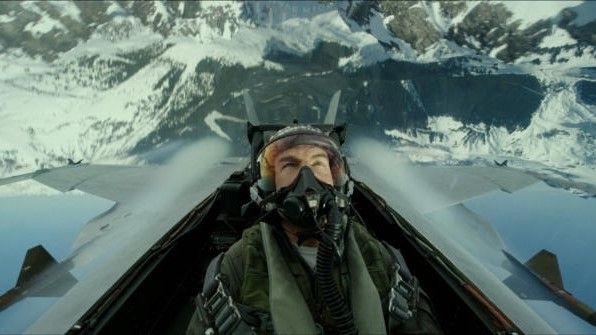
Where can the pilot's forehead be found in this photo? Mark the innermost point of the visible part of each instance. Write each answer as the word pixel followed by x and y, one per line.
pixel 302 152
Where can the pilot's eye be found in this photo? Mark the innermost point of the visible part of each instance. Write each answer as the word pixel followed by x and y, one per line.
pixel 288 165
pixel 318 163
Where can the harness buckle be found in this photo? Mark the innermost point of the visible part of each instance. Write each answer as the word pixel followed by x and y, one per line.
pixel 403 297
pixel 226 316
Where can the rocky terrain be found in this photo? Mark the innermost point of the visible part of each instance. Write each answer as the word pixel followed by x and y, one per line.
pixel 447 82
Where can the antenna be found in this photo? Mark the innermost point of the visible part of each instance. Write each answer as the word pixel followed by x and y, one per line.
pixel 251 114
pixel 332 110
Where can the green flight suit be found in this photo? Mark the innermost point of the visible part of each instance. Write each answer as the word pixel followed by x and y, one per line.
pixel 244 268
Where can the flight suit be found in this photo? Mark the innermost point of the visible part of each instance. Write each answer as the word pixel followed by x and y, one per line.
pixel 244 270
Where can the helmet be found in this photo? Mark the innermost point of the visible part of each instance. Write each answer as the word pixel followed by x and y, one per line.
pixel 290 137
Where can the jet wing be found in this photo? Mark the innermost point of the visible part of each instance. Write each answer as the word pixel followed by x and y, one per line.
pixel 418 193
pixel 431 188
pixel 149 202
pixel 112 182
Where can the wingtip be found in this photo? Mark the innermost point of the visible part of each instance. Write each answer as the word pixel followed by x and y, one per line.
pixel 37 260
pixel 546 265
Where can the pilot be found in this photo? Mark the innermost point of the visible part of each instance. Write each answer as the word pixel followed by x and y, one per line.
pixel 309 266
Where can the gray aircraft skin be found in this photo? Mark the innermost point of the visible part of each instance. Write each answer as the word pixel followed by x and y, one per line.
pixel 146 209
pixel 427 203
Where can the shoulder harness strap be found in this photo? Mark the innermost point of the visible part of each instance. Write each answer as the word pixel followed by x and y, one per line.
pixel 405 292
pixel 210 282
pixel 219 312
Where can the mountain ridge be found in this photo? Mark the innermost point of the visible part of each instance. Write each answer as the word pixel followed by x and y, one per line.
pixel 142 75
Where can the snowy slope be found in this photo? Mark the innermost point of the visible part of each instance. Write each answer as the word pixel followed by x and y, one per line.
pixel 87 104
pixel 510 31
pixel 64 109
pixel 138 67
pixel 553 137
pixel 560 137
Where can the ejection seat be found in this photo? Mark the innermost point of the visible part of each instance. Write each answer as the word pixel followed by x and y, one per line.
pixel 236 212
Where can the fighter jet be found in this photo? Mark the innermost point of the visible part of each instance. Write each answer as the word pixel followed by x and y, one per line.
pixel 71 162
pixel 503 163
pixel 137 267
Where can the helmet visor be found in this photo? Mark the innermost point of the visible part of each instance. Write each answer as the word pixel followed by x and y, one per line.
pixel 271 151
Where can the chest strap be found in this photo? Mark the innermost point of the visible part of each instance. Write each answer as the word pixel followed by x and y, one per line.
pixel 366 302
pixel 289 311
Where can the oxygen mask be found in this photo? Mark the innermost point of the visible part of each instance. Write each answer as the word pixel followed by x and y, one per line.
pixel 304 201
pixel 316 207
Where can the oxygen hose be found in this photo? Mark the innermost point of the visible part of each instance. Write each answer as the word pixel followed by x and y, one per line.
pixel 338 309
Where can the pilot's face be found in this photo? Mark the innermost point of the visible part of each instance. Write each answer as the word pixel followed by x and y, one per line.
pixel 288 165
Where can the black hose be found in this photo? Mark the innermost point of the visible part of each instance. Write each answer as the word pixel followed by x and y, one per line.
pixel 338 309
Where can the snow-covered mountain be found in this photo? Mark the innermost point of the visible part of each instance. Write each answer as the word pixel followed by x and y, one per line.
pixel 454 82
pixel 542 32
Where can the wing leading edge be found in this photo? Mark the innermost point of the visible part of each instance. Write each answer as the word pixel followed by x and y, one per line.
pixel 150 201
pixel 418 192
pixel 431 188
pixel 113 182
